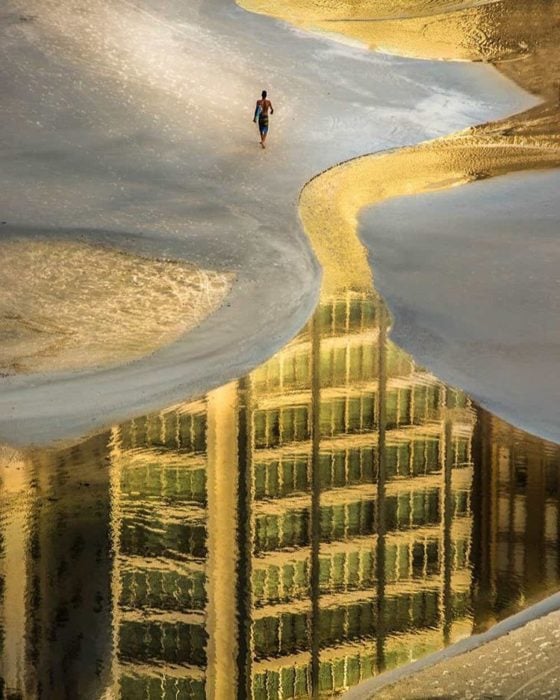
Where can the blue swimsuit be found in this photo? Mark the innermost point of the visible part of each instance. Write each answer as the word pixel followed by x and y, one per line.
pixel 263 120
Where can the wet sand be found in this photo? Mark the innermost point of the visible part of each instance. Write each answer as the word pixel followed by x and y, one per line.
pixel 109 130
pixel 68 305
pixel 422 328
pixel 389 399
pixel 510 371
pixel 487 30
pixel 528 141
pixel 179 552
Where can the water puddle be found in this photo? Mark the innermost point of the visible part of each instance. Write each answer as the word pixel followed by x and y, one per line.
pixel 336 513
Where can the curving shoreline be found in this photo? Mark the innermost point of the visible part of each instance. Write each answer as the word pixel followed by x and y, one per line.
pixel 330 203
pixel 120 143
pixel 429 168
pixel 526 141
pixel 333 201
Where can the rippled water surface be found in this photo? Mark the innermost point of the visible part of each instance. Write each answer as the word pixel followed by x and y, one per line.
pixel 336 513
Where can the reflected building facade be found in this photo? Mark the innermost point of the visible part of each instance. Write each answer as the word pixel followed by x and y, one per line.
pixel 516 534
pixel 56 565
pixel 336 513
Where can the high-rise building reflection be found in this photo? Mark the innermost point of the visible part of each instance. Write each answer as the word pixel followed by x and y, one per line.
pixel 337 512
pixel 56 567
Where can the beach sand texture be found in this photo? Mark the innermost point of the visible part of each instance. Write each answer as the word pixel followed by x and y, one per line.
pixel 521 41
pixel 261 244
pixel 109 128
pixel 70 305
pixel 522 664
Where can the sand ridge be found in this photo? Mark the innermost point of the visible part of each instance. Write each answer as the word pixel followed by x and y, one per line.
pixel 73 305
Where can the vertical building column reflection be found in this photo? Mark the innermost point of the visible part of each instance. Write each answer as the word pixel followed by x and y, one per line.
pixel 69 635
pixel 246 542
pixel 535 540
pixel 447 523
pixel 486 454
pixel 483 535
pixel 222 488
pixel 14 553
pixel 115 447
pixel 315 523
pixel 557 505
pixel 381 527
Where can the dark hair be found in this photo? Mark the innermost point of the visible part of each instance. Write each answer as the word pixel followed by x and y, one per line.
pixel 263 94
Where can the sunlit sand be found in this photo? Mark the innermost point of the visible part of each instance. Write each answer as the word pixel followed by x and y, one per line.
pixel 112 128
pixel 68 305
pixel 522 42
pixel 329 515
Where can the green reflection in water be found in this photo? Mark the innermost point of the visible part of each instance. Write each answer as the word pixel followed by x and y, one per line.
pixel 336 513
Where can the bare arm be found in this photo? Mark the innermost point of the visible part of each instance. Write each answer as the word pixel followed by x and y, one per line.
pixel 271 107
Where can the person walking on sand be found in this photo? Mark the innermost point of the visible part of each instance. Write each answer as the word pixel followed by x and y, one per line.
pixel 264 106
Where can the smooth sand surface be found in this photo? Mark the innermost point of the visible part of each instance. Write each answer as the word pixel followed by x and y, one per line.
pixel 130 122
pixel 471 277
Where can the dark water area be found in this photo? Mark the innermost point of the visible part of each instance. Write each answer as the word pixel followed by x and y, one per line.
pixel 336 513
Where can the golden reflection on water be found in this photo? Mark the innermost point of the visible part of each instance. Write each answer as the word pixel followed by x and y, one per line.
pixel 505 552
pixel 337 512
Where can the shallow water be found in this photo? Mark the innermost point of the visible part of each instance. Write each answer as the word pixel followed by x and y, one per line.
pixel 336 513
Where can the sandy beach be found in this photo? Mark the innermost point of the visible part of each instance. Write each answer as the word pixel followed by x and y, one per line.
pixel 126 145
pixel 462 271
pixel 154 252
pixel 69 305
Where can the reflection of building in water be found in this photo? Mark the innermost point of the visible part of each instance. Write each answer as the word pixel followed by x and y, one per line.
pixel 516 538
pixel 56 570
pixel 14 514
pixel 333 514
pixel 329 587
pixel 160 580
pixel 388 509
